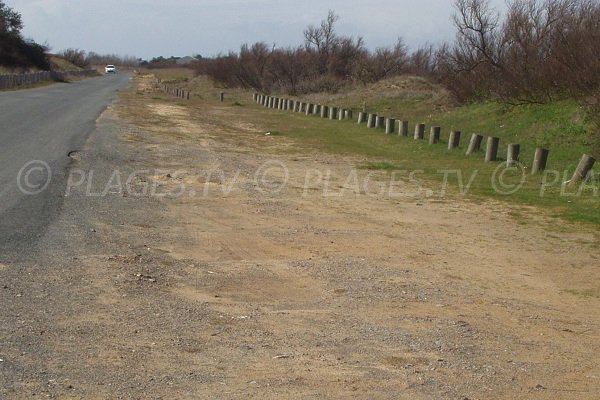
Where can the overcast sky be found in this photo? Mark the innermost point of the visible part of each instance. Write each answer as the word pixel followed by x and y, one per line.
pixel 148 28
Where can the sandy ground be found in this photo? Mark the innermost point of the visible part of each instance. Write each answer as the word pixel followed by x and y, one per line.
pixel 263 281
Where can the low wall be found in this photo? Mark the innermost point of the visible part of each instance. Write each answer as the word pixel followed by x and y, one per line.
pixel 13 81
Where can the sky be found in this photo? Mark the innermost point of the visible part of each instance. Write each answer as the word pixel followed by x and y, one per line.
pixel 150 28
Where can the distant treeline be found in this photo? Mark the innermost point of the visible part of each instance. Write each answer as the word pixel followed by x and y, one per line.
pixel 538 51
pixel 85 60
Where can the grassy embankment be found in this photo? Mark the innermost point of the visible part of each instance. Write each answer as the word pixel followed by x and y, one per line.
pixel 561 127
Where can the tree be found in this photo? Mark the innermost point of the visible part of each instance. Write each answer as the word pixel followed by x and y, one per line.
pixel 323 37
pixel 11 22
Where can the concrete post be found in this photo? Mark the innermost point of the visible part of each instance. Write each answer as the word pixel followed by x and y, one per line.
pixel 419 131
pixel 491 151
pixel 362 117
pixel 434 134
pixel 390 126
pixel 540 159
pixel 454 140
pixel 583 169
pixel 474 144
pixel 333 111
pixel 512 155
pixel 309 108
pixel 403 128
pixel 371 121
pixel 324 111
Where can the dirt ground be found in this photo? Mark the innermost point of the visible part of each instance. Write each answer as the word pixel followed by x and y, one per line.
pixel 277 274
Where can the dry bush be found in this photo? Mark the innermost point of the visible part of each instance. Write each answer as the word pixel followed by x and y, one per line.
pixel 76 57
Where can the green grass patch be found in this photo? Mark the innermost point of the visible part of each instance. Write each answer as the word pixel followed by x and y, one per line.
pixel 381 166
pixel 587 293
pixel 561 127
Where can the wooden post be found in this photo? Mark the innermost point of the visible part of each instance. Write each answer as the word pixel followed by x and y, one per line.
pixel 403 128
pixel 583 169
pixel 474 144
pixel 222 96
pixel 512 156
pixel 362 117
pixel 454 140
pixel 434 134
pixel 348 114
pixel 380 122
pixel 419 131
pixel 540 159
pixel 333 112
pixel 342 114
pixel 371 120
pixel 324 111
pixel 390 126
pixel 491 151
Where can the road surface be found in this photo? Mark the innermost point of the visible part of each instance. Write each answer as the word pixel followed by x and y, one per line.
pixel 39 128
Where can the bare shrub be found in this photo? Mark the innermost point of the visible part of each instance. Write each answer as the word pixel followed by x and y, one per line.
pixel 76 57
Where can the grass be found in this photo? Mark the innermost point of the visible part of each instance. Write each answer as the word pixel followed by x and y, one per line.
pixel 587 293
pixel 381 166
pixel 561 127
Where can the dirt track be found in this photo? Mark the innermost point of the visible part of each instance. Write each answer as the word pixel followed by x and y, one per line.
pixel 246 288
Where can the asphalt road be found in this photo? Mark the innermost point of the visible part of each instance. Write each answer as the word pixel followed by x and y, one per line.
pixel 39 128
